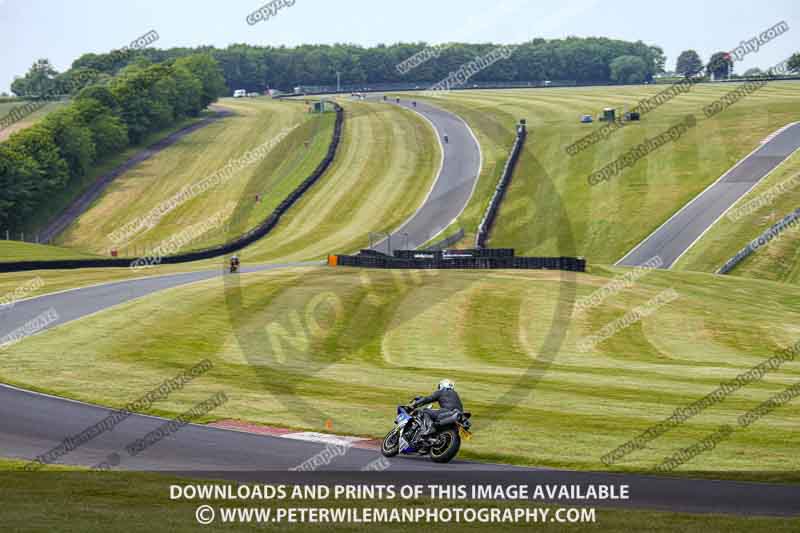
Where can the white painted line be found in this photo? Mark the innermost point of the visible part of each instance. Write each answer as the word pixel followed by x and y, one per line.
pixel 438 135
pixel 323 438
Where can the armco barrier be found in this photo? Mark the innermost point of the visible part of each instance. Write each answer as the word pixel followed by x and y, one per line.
pixel 246 239
pixel 497 198
pixel 776 229
pixel 458 259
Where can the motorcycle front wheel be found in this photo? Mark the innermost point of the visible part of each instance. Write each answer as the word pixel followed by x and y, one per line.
pixel 391 444
pixel 446 447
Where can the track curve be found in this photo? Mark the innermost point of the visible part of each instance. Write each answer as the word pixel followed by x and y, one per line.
pixel 454 184
pixel 32 423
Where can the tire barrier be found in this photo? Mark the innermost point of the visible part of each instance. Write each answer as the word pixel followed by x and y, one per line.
pixel 479 258
pixel 763 239
pixel 497 198
pixel 244 240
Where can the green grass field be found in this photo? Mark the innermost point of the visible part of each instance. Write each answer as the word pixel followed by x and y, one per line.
pixel 287 344
pixel 384 169
pixel 26 251
pixel 30 120
pixel 199 155
pixel 62 199
pixel 550 208
pixel 70 500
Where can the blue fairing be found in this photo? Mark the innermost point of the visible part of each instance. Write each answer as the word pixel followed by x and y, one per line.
pixel 402 418
pixel 402 415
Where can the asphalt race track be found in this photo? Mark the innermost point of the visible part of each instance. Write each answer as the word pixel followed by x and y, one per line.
pixel 32 424
pixel 675 237
pixel 453 186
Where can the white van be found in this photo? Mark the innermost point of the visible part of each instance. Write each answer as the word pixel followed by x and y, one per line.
pixel 239 93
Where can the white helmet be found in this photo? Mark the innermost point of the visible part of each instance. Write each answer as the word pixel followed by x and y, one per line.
pixel 446 384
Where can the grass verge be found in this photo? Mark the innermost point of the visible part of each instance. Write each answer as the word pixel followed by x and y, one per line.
pixel 287 344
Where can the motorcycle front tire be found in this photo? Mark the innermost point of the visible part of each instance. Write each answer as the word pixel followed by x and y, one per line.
pixel 387 448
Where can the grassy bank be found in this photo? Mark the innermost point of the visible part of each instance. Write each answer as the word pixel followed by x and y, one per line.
pixel 26 251
pixel 384 169
pixel 197 156
pixel 550 206
pixel 287 345
pixel 28 121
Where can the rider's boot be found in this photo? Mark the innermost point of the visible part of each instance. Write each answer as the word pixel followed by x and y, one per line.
pixel 429 427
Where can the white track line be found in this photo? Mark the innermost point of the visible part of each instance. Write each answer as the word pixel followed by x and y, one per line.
pixel 439 173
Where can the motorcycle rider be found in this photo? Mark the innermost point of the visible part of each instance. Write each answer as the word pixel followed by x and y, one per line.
pixel 449 403
pixel 235 263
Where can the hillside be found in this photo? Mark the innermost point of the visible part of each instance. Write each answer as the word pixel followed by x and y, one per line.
pixel 25 251
pixel 285 344
pixel 550 208
pixel 288 143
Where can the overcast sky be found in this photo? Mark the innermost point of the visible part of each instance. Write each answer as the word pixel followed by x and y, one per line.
pixel 62 30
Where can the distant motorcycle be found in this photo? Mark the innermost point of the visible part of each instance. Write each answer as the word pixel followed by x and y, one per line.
pixel 234 265
pixel 442 445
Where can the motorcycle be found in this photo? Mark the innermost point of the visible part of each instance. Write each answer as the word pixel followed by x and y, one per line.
pixel 442 445
pixel 234 268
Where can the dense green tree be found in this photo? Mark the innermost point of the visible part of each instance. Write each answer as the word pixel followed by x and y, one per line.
pixel 109 109
pixel 39 81
pixel 73 138
pixel 689 63
pixel 256 68
pixel 794 63
pixel 38 144
pixel 720 66
pixel 19 86
pixel 753 72
pixel 109 133
pixel 206 69
pixel 628 69
pixel 19 174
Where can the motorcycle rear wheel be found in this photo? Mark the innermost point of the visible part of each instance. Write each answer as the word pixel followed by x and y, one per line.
pixel 447 446
pixel 391 444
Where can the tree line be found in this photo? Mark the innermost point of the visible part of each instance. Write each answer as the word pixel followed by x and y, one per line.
pixel 257 68
pixel 101 120
pixel 720 66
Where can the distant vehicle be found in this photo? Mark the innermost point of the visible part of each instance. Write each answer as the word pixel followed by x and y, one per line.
pixel 586 119
pixel 239 93
pixel 253 95
pixel 547 83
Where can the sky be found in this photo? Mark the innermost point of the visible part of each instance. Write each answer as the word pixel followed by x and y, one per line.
pixel 62 30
